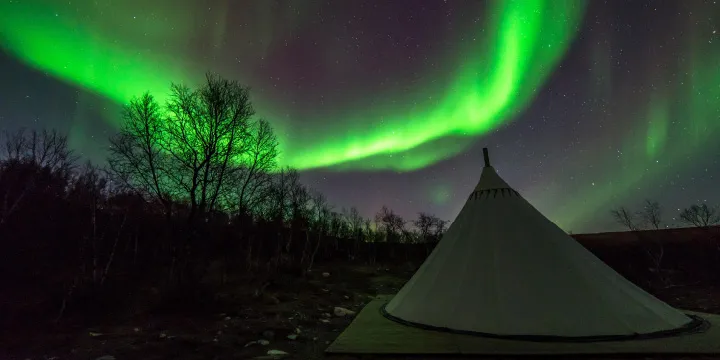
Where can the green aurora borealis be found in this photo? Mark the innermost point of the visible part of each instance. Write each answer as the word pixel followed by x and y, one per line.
pixel 497 81
pixel 519 46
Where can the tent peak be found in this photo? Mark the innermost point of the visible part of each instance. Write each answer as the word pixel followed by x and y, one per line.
pixel 486 157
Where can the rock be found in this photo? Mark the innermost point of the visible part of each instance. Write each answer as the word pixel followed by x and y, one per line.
pixel 292 336
pixel 277 353
pixel 268 334
pixel 341 311
pixel 263 342
pixel 272 354
pixel 326 321
pixel 327 315
pixel 106 357
pixel 136 329
pixel 326 274
pixel 163 335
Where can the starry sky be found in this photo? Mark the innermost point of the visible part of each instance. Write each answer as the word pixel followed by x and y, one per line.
pixel 584 106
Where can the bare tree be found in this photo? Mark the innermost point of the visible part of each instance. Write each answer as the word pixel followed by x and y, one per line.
pixel 207 129
pixel 625 218
pixel 299 210
pixel 391 223
pixel 355 222
pixel 186 152
pixel 651 214
pixel 45 149
pixel 254 168
pixel 336 225
pixel 705 218
pixel 701 216
pixel 136 159
pixel 425 224
pixel 319 223
pixel 371 238
pixel 430 229
pixel 278 204
pixel 441 227
pixel 96 254
pixel 29 154
pixel 392 226
pixel 299 204
pixel 355 227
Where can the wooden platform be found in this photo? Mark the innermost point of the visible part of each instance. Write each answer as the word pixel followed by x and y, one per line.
pixel 372 333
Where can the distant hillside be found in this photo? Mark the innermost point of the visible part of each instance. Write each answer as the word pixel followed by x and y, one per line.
pixel 672 235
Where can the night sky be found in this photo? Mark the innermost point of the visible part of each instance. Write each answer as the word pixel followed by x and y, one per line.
pixel 584 106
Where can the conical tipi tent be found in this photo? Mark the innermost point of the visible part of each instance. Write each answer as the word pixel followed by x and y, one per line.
pixel 505 270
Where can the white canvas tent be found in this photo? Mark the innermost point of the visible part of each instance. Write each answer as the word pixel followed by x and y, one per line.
pixel 505 270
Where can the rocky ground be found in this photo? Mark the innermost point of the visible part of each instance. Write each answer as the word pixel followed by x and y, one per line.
pixel 290 319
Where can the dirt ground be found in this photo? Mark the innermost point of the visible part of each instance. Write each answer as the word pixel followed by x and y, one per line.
pixel 293 316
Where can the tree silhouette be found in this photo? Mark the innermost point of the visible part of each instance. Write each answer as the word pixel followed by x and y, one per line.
pixel 625 217
pixel 355 228
pixel 319 220
pixel 253 170
pixel 391 224
pixel 36 167
pixel 425 224
pixel 207 130
pixel 202 149
pixel 441 227
pixel 136 159
pixel 701 216
pixel 194 149
pixel 650 216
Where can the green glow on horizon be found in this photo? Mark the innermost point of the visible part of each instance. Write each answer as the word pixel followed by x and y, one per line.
pixel 495 80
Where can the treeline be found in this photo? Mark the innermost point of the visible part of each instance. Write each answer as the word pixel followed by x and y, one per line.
pixel 191 197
